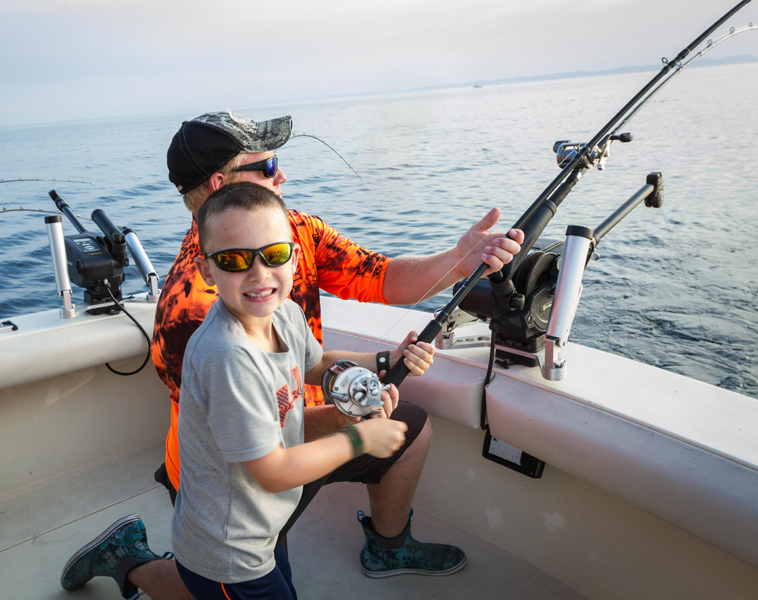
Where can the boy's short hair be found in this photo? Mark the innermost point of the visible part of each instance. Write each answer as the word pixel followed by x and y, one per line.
pixel 242 195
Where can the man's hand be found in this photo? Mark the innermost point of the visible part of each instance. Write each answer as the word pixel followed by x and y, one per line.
pixel 478 245
pixel 342 420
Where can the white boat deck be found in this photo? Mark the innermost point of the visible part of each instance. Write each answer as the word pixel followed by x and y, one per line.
pixel 649 489
pixel 42 527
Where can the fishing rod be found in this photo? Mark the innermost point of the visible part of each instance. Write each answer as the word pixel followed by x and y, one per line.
pixel 574 160
pixel 37 179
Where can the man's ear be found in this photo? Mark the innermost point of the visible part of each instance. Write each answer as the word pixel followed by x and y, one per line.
pixel 216 181
pixel 295 258
pixel 204 268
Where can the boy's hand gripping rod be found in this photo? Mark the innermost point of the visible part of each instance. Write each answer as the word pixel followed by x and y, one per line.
pixel 537 216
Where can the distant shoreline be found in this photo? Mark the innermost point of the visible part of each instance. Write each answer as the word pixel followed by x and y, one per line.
pixel 702 62
pixel 479 83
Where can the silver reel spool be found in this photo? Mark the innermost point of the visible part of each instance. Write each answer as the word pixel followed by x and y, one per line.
pixel 355 391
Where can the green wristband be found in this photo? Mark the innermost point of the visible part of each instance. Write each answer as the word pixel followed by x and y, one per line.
pixel 383 361
pixel 356 441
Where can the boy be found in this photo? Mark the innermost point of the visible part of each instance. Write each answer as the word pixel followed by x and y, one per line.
pixel 243 460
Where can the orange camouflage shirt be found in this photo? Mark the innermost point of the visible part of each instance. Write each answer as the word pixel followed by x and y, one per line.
pixel 328 261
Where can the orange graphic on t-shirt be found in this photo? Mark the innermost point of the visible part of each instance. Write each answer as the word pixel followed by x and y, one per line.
pixel 283 403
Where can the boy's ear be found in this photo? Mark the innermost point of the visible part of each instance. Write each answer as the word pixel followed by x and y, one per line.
pixel 204 268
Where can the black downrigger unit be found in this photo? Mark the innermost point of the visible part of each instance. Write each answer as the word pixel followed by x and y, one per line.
pixel 95 262
pixel 519 314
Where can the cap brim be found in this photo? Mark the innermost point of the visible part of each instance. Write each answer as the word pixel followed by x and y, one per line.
pixel 268 135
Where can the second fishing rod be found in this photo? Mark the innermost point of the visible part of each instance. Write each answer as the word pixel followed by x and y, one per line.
pixel 575 160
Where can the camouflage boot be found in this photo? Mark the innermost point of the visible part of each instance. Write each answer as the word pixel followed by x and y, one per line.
pixel 114 553
pixel 385 557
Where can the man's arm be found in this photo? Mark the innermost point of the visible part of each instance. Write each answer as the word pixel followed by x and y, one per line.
pixel 321 421
pixel 410 279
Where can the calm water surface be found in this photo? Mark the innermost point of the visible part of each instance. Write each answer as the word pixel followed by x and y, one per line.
pixel 675 288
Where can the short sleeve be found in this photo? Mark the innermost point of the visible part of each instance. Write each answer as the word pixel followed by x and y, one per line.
pixel 347 269
pixel 313 350
pixel 242 413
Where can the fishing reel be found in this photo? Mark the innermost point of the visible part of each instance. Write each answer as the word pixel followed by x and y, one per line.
pixel 521 324
pixel 565 151
pixel 355 391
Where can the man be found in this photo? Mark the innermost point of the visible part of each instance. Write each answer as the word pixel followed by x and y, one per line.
pixel 207 153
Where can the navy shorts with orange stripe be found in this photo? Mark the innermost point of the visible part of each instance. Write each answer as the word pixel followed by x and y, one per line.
pixel 277 585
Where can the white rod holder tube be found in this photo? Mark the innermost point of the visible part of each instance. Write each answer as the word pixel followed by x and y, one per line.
pixel 60 267
pixel 568 289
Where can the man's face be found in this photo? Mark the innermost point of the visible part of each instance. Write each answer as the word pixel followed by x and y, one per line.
pixel 273 183
pixel 252 295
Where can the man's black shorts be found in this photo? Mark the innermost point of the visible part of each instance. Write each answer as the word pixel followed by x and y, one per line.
pixel 364 469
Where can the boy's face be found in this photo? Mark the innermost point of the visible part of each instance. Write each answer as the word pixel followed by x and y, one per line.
pixel 252 295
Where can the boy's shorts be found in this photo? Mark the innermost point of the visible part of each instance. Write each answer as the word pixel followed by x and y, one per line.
pixel 364 469
pixel 277 585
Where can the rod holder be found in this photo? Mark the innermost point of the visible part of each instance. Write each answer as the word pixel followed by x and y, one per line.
pixel 58 252
pixel 567 292
pixel 145 267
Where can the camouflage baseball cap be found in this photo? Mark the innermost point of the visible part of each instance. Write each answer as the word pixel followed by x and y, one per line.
pixel 204 144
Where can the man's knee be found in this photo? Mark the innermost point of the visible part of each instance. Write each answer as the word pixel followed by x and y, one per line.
pixel 424 438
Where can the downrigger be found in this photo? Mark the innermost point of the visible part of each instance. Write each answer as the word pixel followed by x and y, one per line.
pixel 95 262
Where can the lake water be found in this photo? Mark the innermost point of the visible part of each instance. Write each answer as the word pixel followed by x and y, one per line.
pixel 675 288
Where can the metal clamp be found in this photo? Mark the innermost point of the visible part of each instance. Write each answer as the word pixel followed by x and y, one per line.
pixel 8 326
pixel 446 340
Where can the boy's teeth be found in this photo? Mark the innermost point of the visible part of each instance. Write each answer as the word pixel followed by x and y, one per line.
pixel 259 294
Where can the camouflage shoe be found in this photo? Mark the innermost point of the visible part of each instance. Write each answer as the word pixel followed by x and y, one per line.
pixel 115 552
pixel 407 555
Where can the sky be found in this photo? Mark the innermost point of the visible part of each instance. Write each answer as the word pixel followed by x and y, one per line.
pixel 78 59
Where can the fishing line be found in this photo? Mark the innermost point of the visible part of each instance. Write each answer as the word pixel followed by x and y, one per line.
pixel 330 148
pixel 679 68
pixel 37 210
pixel 426 295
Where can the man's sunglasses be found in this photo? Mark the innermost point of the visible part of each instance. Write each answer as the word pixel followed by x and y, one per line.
pixel 268 167
pixel 240 259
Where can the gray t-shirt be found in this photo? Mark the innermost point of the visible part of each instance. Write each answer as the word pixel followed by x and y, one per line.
pixel 238 403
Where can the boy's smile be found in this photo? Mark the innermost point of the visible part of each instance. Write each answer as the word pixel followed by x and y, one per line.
pixel 252 295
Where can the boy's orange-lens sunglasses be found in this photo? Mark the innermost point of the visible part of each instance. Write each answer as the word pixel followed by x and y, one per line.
pixel 241 259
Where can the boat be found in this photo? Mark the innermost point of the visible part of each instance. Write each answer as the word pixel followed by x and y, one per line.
pixel 620 481
pixel 649 488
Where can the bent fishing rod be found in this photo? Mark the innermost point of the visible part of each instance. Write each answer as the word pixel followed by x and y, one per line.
pixel 575 160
